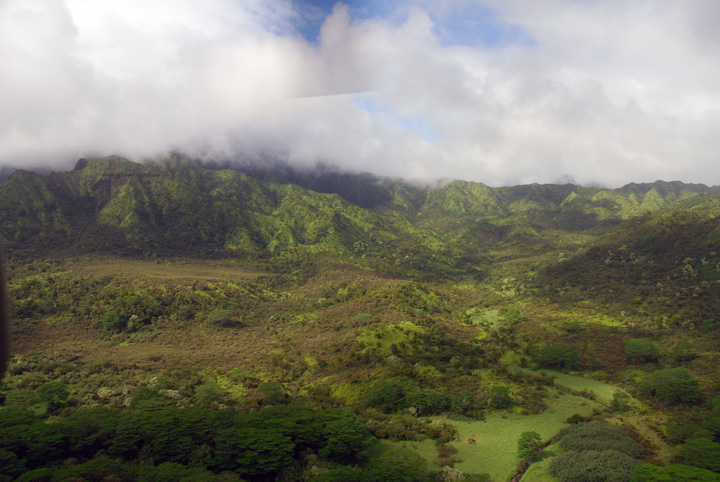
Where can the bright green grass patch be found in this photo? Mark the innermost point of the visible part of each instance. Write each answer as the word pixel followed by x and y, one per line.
pixel 237 390
pixel 350 393
pixel 311 363
pixel 587 316
pixel 363 316
pixel 602 391
pixel 491 446
pixel 401 335
pixel 510 358
pixel 539 470
pixel 304 318
pixel 489 316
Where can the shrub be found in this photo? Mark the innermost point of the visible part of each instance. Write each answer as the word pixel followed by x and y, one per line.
pixel 672 386
pixel 593 466
pixel 445 451
pixel 223 318
pixel 672 473
pixel 575 418
pixel 597 436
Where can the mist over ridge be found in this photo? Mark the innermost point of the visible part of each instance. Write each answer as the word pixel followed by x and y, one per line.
pixel 499 92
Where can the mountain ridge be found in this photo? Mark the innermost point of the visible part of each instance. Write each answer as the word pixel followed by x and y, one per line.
pixel 178 204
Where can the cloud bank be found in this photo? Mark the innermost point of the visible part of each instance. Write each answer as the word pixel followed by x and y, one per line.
pixel 496 91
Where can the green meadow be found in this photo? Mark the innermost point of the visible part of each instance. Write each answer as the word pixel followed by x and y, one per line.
pixel 490 446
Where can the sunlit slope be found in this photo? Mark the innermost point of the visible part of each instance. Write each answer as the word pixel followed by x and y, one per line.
pixel 659 262
pixel 179 206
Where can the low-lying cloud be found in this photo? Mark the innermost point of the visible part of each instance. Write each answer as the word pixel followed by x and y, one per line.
pixel 600 92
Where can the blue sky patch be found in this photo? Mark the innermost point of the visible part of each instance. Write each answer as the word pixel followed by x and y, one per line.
pixel 476 25
pixel 314 12
pixel 470 24
pixel 418 124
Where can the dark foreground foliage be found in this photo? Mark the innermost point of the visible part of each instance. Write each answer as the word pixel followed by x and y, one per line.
pixel 172 444
pixel 595 452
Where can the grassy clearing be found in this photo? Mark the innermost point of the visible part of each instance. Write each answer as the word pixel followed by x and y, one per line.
pixel 488 316
pixel 491 446
pixel 602 391
pixel 140 269
pixel 538 471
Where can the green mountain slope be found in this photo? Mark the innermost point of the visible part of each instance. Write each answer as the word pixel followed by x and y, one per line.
pixel 177 205
pixel 668 261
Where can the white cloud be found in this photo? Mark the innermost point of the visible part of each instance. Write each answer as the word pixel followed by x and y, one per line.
pixel 607 92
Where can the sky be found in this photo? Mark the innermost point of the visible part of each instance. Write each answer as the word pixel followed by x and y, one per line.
pixel 504 92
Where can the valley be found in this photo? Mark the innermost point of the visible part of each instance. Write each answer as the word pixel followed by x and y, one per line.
pixel 382 331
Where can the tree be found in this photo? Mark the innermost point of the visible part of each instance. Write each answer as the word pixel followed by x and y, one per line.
pixel 344 474
pixel 462 402
pixel 345 434
pixel 273 393
pixel 253 451
pixel 673 386
pixel 209 392
pixel 620 401
pixel 528 444
pixel 514 316
pixel 683 352
pixel 499 397
pixel 112 322
pixel 399 464
pixel 54 393
pixel 642 350
pixel 701 453
pixel 387 395
pixel 560 356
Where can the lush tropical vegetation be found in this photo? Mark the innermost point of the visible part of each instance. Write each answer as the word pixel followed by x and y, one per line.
pixel 173 322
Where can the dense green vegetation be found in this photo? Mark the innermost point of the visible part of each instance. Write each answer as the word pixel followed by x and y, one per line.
pixel 172 322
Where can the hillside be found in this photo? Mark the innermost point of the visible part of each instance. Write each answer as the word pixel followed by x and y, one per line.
pixel 427 327
pixel 177 206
